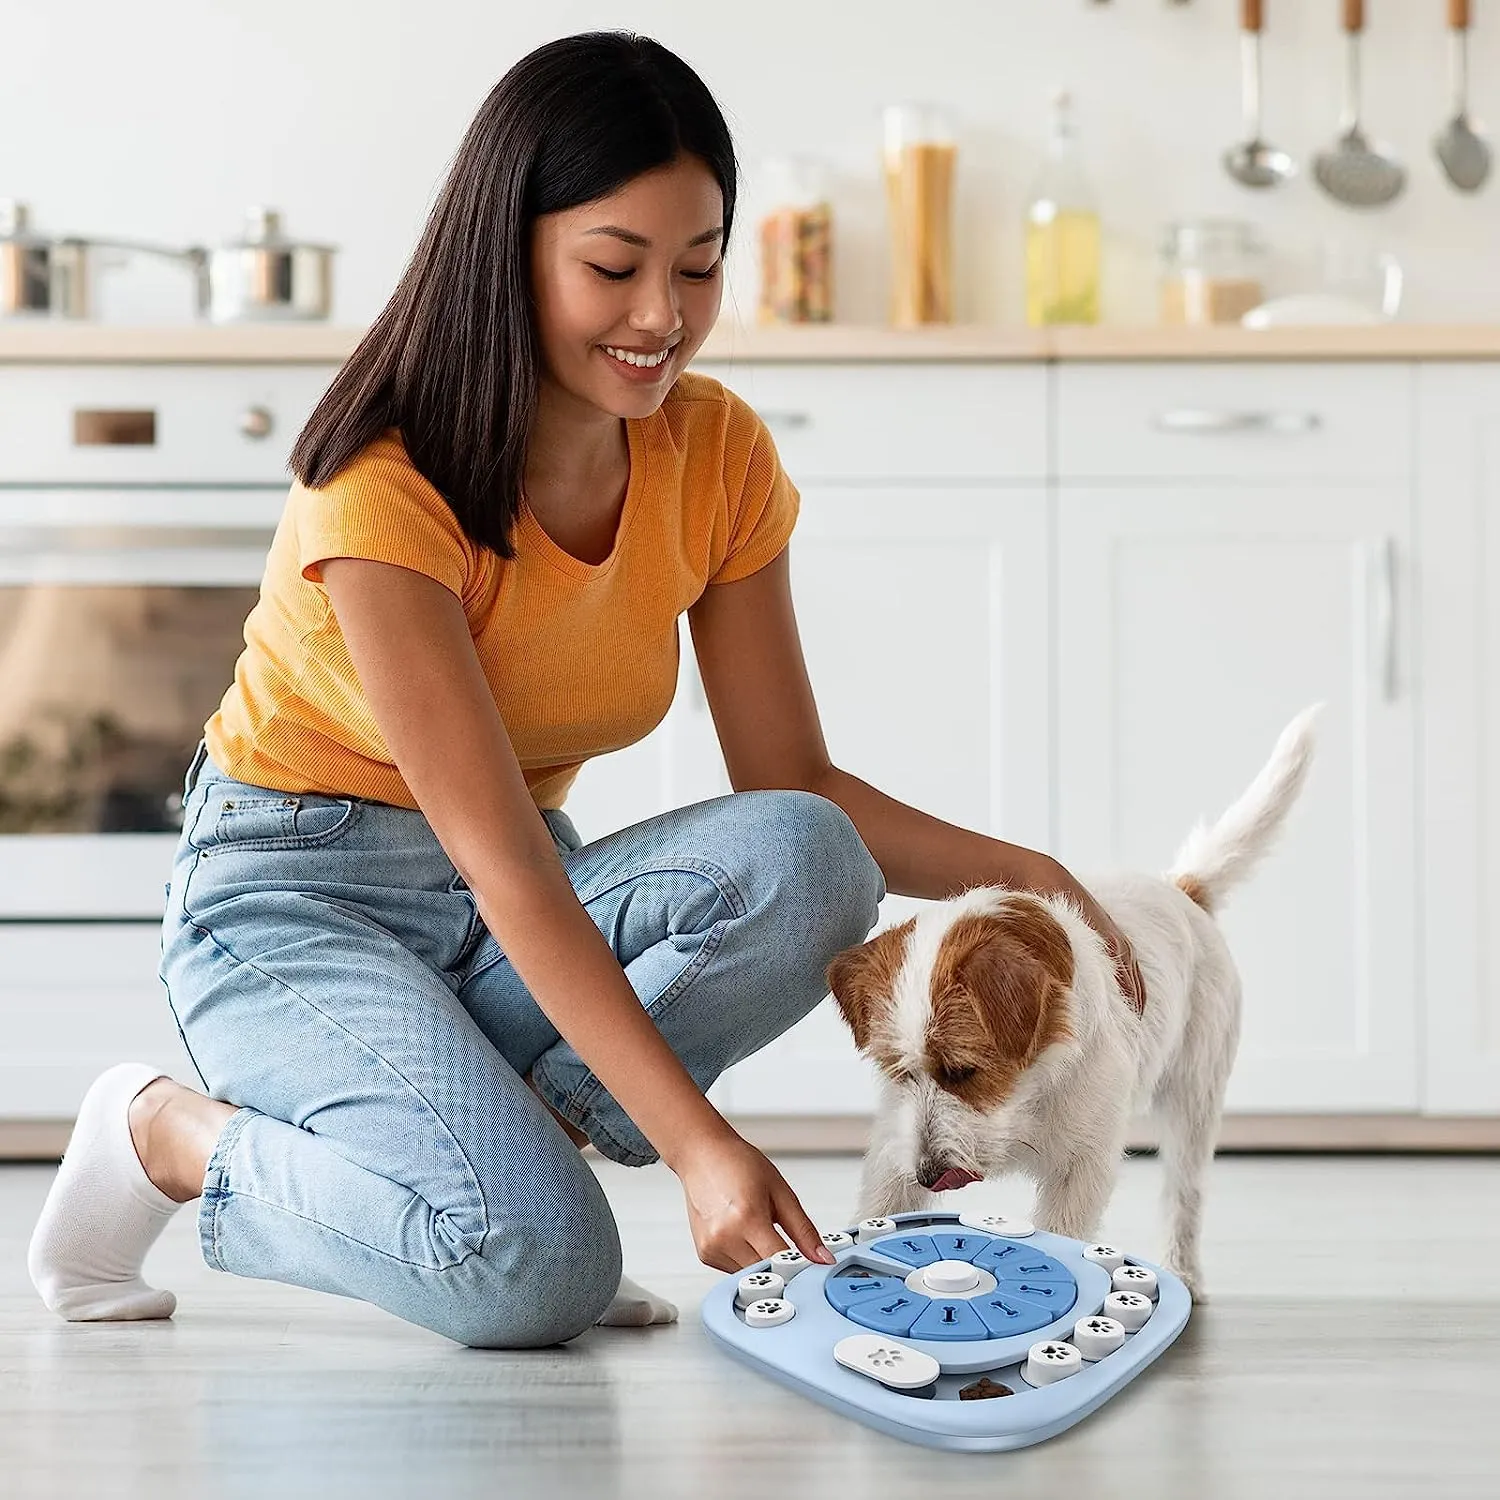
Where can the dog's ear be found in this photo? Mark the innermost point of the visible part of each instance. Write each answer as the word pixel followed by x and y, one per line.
pixel 1015 965
pixel 861 978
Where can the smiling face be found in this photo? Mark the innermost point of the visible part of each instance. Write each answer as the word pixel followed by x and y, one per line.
pixel 639 273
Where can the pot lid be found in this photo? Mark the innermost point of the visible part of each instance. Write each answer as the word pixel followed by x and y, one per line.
pixel 15 222
pixel 263 230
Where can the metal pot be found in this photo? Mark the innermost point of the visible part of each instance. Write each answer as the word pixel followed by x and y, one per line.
pixel 260 277
pixel 40 277
pixel 264 276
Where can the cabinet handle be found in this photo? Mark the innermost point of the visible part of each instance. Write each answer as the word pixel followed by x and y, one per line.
pixel 1194 419
pixel 1386 564
pixel 786 419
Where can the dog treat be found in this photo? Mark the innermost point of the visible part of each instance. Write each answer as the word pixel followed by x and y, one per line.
pixel 984 1389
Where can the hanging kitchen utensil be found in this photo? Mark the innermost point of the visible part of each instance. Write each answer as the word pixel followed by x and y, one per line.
pixel 1352 170
pixel 1251 161
pixel 1464 153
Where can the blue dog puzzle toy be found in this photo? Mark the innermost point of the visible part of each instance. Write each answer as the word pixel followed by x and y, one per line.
pixel 971 1332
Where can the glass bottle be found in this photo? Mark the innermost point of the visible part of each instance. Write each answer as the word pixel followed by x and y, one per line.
pixel 920 160
pixel 1062 232
pixel 795 237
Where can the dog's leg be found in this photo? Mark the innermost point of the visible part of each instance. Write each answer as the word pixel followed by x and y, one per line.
pixel 1075 1193
pixel 1188 1105
pixel 888 1179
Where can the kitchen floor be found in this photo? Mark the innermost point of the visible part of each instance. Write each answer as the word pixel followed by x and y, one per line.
pixel 1352 1348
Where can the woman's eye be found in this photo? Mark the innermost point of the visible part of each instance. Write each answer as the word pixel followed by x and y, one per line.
pixel 610 275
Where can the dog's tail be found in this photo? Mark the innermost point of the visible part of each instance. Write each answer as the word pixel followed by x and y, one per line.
pixel 1216 857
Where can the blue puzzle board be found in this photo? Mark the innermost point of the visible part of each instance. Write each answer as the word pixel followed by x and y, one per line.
pixel 1042 1286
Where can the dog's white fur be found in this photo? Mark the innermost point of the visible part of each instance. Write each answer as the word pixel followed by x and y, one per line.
pixel 1064 1119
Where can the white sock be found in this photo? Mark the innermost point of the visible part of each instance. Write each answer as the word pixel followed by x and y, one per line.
pixel 635 1307
pixel 102 1214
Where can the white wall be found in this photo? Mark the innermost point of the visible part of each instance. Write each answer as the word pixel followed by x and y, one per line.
pixel 162 119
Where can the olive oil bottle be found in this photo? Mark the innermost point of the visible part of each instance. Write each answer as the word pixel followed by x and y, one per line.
pixel 1063 249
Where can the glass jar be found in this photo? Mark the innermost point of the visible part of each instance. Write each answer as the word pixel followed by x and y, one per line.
pixel 919 159
pixel 1211 271
pixel 795 239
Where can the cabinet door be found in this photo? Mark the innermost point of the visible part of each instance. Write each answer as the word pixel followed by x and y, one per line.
pixel 1193 623
pixel 923 615
pixel 1458 513
pixel 75 1001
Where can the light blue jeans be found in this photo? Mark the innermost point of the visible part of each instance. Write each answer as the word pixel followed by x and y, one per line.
pixel 331 977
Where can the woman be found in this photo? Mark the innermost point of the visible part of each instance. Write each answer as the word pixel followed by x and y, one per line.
pixel 385 941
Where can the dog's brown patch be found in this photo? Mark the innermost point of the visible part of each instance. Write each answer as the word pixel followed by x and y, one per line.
pixel 863 977
pixel 998 985
pixel 1195 891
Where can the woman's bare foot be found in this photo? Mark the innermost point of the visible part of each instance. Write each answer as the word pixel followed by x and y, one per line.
pixel 174 1130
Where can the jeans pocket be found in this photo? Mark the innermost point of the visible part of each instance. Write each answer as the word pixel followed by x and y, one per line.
pixel 234 816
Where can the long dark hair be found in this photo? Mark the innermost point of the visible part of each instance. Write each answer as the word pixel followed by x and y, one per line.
pixel 454 359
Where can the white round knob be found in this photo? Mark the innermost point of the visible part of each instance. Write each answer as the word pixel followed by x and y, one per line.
pixel 788 1263
pixel 769 1312
pixel 1130 1309
pixel 837 1240
pixel 949 1276
pixel 1097 1336
pixel 872 1229
pixel 1051 1360
pixel 1106 1256
pixel 256 422
pixel 1006 1228
pixel 1134 1279
pixel 758 1286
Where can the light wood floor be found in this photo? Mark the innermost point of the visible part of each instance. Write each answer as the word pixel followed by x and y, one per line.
pixel 1352 1348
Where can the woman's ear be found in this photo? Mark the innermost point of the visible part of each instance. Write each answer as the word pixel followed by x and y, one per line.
pixel 863 978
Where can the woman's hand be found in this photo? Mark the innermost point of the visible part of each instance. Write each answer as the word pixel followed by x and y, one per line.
pixel 735 1200
pixel 1057 881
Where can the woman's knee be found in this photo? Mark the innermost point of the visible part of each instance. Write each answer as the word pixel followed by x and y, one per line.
pixel 825 874
pixel 541 1283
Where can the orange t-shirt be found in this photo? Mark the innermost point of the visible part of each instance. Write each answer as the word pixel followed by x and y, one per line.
pixel 581 658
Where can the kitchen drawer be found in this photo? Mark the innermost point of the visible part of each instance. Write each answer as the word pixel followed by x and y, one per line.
pixel 74 1000
pixel 833 422
pixel 150 424
pixel 1249 422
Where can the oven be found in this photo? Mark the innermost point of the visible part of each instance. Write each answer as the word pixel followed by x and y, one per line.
pixel 137 504
pixel 136 509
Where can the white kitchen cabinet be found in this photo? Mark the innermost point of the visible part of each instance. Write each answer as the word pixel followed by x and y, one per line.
pixel 1193 622
pixel 77 998
pixel 923 618
pixel 1458 514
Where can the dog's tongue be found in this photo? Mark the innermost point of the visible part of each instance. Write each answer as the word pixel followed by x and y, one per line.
pixel 953 1179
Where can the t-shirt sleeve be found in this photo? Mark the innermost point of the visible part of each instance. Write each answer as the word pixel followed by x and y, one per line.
pixel 382 509
pixel 763 502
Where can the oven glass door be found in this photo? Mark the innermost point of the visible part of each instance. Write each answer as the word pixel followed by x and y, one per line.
pixel 121 618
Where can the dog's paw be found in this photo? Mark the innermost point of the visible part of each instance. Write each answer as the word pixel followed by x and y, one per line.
pixel 1192 1278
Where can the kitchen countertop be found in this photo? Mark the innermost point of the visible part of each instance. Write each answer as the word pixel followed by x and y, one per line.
pixel 320 343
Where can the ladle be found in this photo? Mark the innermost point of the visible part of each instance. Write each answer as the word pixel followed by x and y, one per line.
pixel 1251 161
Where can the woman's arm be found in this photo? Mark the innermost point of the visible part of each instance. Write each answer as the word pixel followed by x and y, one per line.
pixel 410 645
pixel 755 679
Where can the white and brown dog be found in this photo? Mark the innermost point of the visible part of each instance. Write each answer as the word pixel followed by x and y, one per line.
pixel 1004 1042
